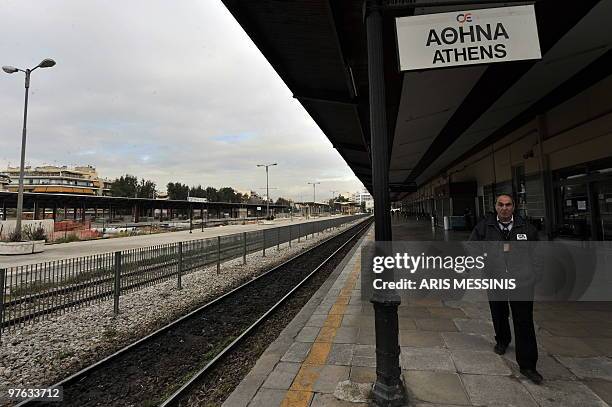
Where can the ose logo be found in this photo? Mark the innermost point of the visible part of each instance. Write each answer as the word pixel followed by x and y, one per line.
pixel 464 18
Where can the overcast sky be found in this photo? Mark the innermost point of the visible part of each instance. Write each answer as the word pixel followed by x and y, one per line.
pixel 165 90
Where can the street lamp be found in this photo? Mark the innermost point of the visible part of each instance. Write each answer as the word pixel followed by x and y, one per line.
pixel 45 63
pixel 267 189
pixel 314 192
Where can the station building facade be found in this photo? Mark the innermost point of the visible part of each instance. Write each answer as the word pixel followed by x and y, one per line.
pixel 558 166
pixel 445 141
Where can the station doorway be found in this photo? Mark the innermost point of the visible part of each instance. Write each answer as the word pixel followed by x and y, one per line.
pixel 584 201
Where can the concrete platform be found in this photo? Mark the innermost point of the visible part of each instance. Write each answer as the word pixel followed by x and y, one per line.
pixel 326 355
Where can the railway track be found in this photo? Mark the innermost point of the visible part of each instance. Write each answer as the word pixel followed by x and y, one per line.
pixel 162 367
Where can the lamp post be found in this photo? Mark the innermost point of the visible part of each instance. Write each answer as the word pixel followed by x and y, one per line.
pixel 267 189
pixel 45 63
pixel 314 192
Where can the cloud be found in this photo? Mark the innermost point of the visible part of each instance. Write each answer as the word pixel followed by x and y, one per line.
pixel 168 91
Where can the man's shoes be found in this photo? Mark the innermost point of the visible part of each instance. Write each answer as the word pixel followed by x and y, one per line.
pixel 500 349
pixel 532 375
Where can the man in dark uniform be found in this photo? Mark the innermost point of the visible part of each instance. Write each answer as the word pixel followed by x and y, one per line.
pixel 505 226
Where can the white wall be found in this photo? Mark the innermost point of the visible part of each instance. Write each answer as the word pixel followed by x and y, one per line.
pixel 7 226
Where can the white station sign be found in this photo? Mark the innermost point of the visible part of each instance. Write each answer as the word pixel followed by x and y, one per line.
pixel 467 37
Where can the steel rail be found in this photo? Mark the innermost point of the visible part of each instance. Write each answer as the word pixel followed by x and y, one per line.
pixel 97 365
pixel 177 395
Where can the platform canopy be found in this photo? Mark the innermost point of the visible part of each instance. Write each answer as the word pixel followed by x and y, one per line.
pixel 437 117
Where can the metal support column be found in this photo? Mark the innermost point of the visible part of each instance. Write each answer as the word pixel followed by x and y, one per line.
pixel 388 389
pixel 218 254
pixel 180 266
pixel 244 247
pixel 117 281
pixel 3 275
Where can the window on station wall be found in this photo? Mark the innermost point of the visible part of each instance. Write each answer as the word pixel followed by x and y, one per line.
pixel 488 200
pixel 575 211
pixel 481 207
pixel 604 206
pixel 583 195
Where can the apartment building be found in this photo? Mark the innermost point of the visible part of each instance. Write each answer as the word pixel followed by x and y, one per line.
pixel 83 180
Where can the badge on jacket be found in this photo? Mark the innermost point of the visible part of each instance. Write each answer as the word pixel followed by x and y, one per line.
pixel 521 236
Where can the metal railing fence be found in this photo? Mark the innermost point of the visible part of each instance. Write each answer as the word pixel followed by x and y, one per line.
pixel 31 293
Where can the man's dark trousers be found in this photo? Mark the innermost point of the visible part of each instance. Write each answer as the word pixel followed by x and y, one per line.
pixel 522 311
pixel 524 333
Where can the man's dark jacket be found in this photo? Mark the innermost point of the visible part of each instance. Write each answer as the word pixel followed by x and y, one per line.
pixel 488 229
pixel 520 261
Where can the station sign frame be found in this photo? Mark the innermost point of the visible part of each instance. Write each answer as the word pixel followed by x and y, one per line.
pixel 468 37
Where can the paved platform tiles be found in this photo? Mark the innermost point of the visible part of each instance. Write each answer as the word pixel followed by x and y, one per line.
pixel 447 356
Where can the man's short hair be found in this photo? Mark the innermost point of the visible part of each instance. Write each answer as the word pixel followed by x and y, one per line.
pixel 508 195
